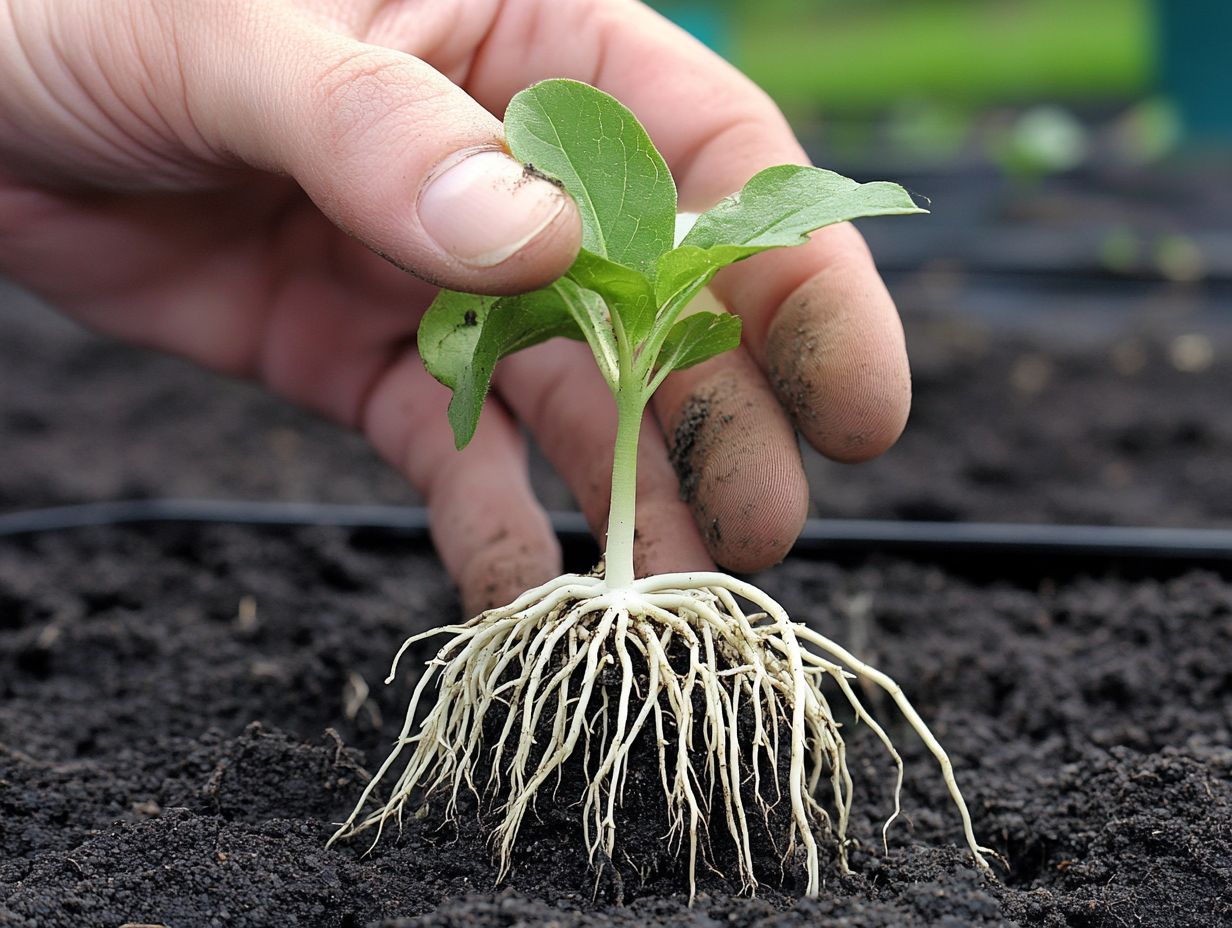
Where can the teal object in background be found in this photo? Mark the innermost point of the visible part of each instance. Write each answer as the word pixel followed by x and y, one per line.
pixel 1195 64
pixel 709 22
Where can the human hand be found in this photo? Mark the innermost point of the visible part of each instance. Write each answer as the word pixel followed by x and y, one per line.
pixel 218 180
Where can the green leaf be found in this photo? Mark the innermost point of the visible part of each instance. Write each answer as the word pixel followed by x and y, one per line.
pixel 698 338
pixel 627 291
pixel 449 332
pixel 778 207
pixel 602 155
pixel 462 336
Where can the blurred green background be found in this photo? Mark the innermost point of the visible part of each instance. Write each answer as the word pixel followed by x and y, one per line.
pixel 861 55
pixel 852 58
pixel 1080 137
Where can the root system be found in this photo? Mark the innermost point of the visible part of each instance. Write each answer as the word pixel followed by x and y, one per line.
pixel 734 701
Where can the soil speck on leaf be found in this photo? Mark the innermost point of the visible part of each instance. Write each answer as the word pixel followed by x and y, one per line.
pixel 530 171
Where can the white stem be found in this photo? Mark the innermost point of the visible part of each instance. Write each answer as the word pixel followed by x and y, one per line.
pixel 618 559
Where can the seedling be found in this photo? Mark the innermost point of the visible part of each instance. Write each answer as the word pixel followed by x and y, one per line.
pixel 713 675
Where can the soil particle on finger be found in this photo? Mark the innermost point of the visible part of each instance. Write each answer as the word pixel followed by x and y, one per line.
pixel 500 570
pixel 685 440
pixel 790 353
pixel 737 463
pixel 688 451
pixel 712 426
pixel 821 379
pixel 706 447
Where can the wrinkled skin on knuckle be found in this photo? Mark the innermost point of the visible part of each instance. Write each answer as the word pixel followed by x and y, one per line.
pixel 717 164
pixel 353 96
pixel 739 468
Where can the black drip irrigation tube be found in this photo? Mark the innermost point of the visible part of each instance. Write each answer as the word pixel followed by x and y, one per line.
pixel 1000 549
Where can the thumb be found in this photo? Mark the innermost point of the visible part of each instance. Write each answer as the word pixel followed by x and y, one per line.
pixel 395 154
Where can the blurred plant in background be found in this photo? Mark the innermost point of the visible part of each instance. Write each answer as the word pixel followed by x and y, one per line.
pixel 933 67
pixel 867 55
pixel 1050 134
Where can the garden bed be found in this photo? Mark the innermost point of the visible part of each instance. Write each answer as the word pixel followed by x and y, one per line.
pixel 182 709
pixel 182 715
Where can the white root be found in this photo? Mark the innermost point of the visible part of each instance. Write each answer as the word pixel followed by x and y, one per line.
pixel 533 668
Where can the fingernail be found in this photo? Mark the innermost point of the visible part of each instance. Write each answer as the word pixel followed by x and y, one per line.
pixel 484 208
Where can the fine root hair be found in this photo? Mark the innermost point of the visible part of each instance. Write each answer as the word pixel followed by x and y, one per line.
pixel 733 700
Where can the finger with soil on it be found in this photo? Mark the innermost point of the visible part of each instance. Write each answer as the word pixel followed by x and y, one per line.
pixel 739 467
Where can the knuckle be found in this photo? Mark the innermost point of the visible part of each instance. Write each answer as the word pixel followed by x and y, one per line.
pixel 354 96
pixel 735 120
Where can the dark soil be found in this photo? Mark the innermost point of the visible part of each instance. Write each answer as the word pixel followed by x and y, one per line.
pixel 170 754
pixel 182 710
pixel 1128 424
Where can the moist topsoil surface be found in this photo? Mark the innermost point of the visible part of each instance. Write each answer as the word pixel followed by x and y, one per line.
pixel 184 711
